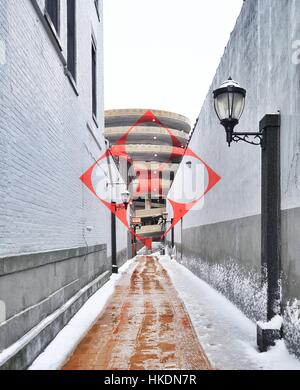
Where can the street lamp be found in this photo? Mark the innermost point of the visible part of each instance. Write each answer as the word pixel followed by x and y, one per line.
pixel 125 197
pixel 136 223
pixel 229 103
pixel 165 216
pixel 163 222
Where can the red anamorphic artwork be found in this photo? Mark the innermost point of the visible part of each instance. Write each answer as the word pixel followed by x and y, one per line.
pixel 146 182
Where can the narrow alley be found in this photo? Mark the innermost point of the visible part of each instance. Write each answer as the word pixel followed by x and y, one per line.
pixel 149 189
pixel 145 326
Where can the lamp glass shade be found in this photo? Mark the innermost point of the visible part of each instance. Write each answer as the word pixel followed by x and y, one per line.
pixel 222 106
pixel 125 196
pixel 229 101
pixel 165 215
pixel 238 106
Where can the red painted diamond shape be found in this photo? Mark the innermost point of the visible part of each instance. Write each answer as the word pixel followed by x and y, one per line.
pixel 180 209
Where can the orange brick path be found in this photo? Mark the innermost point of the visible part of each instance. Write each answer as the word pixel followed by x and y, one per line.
pixel 144 327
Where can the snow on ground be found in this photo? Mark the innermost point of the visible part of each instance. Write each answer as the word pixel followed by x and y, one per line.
pixel 66 341
pixel 225 333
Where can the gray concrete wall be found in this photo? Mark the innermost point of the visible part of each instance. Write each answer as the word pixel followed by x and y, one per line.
pixel 234 239
pixel 36 286
pixel 33 286
pixel 261 55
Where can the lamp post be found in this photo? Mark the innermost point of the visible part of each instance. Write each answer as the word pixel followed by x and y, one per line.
pixel 163 222
pixel 125 196
pixel 165 217
pixel 229 103
pixel 136 223
pixel 172 234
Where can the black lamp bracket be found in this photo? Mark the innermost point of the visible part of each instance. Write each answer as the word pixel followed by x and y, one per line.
pixel 256 139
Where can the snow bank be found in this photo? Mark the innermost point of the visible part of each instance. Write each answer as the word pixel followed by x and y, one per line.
pixel 243 288
pixel 67 340
pixel 226 334
pixel 277 358
pixel 238 284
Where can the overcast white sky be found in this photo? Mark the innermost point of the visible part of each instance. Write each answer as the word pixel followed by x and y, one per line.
pixel 163 54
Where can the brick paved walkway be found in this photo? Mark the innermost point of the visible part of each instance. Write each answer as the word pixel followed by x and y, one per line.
pixel 144 327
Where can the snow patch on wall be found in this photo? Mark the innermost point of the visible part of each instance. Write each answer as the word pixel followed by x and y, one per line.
pixel 239 285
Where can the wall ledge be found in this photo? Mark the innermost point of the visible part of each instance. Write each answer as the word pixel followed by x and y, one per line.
pixel 27 261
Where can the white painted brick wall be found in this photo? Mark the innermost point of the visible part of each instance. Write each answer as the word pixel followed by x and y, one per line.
pixel 45 145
